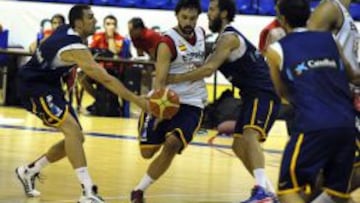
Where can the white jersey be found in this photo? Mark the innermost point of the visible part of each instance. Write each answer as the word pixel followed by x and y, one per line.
pixel 348 37
pixel 188 57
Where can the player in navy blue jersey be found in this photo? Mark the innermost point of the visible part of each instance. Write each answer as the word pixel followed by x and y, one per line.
pixel 309 70
pixel 243 65
pixel 41 93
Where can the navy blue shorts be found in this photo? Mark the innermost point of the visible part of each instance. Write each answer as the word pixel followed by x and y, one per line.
pixel 51 108
pixel 331 150
pixel 184 124
pixel 258 113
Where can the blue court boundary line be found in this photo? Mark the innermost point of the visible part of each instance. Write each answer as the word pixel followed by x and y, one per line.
pixel 124 137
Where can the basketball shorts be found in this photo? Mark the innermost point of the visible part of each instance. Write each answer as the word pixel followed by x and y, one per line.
pixel 306 154
pixel 258 113
pixel 184 125
pixel 51 108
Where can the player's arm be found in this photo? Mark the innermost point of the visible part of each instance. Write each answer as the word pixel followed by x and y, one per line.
pixel 224 46
pixel 162 65
pixel 353 75
pixel 324 17
pixel 273 60
pixel 84 59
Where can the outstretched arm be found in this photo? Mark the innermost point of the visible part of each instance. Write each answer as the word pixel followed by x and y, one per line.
pixel 84 59
pixel 224 46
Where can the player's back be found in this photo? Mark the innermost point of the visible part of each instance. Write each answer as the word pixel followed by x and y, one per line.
pixel 45 66
pixel 316 81
pixel 246 68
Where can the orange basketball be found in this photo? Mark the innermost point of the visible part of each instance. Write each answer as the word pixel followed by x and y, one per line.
pixel 164 103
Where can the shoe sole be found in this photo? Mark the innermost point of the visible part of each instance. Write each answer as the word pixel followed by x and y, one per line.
pixel 22 183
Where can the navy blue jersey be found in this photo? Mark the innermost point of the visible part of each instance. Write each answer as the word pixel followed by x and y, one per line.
pixel 45 67
pixel 317 85
pixel 246 68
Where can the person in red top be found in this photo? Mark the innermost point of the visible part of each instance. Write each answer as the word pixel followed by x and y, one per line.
pixel 271 33
pixel 143 38
pixel 110 39
pixel 108 43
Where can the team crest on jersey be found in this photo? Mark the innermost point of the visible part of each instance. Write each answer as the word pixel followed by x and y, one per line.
pixel 182 47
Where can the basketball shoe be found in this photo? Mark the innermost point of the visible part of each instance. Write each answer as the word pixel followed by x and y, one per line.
pixel 260 195
pixel 137 196
pixel 27 180
pixel 93 197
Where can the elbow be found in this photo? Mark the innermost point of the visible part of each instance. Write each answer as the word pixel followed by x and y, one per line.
pixel 208 71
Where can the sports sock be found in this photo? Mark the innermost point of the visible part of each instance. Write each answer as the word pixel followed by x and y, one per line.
pixel 145 182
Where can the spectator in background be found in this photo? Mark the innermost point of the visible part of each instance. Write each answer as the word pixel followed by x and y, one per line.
pixel 56 21
pixel 109 40
pixel 143 38
pixel 1 29
pixel 108 43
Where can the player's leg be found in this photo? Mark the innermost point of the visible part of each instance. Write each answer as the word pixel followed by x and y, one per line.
pixel 338 170
pixel 179 132
pixel 56 112
pixel 256 119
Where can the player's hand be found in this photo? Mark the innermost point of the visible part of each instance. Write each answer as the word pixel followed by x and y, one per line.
pixel 143 102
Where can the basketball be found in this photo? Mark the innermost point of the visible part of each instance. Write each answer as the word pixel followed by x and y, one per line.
pixel 164 103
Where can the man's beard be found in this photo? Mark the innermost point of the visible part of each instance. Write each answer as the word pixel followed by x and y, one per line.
pixel 186 30
pixel 216 24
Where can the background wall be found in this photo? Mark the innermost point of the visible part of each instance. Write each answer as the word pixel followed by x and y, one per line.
pixel 23 20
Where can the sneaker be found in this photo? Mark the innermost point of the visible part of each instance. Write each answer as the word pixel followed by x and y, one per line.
pixel 27 180
pixel 137 196
pixel 260 195
pixel 93 197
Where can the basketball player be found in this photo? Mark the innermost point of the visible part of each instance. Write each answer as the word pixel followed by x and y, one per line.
pixel 41 94
pixel 307 69
pixel 245 68
pixel 182 49
pixel 333 15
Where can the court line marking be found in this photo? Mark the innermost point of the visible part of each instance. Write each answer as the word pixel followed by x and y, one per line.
pixel 126 197
pixel 125 137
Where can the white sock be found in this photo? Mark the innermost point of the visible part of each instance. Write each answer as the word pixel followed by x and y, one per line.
pixel 269 186
pixel 323 197
pixel 84 178
pixel 37 165
pixel 145 182
pixel 260 177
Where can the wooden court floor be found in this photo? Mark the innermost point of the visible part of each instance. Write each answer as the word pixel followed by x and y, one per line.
pixel 204 173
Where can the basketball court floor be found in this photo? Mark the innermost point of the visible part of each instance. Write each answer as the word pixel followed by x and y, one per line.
pixel 206 172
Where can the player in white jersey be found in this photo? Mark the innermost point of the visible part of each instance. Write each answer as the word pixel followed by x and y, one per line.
pixel 333 15
pixel 180 51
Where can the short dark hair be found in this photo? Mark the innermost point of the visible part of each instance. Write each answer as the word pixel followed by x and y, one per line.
pixel 58 16
pixel 229 6
pixel 188 4
pixel 112 18
pixel 296 12
pixel 76 13
pixel 137 22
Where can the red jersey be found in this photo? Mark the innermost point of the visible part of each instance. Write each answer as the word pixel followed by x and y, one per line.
pixel 148 41
pixel 99 41
pixel 271 33
pixel 170 43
